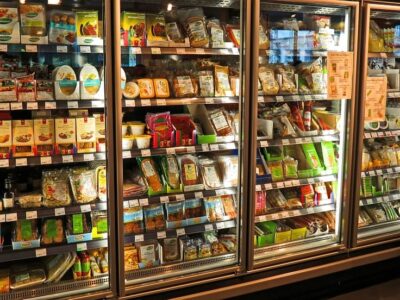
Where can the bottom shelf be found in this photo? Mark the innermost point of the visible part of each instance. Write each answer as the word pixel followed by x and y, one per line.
pixel 378 229
pixel 294 246
pixel 60 289
pixel 179 269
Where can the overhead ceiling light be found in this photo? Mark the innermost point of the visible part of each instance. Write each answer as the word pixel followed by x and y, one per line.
pixel 53 2
pixel 22 1
pixel 169 7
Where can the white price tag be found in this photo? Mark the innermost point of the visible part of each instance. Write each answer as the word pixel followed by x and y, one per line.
pixel 59 211
pixel 86 208
pixel 268 186
pixel 126 204
pixel 285 142
pixel 16 106
pixel 180 197
pixel 386 198
pixel 126 154
pixel 220 225
pixel 144 201
pixel 209 100
pixel 235 51
pixel 208 227
pixel 88 157
pixel 130 103
pixel 180 231
pixel 367 135
pixel 11 217
pixel 191 149
pixel 307 97
pixel 181 51
pixel 133 203
pixel 67 159
pixel 378 172
pixel 198 195
pixel 135 50
pixel 258 188
pixel 3 48
pixel 98 104
pixel 81 247
pixel 32 105
pixel 31 48
pixel 374 134
pixel 145 102
pixel 296 98
pixel 260 99
pixel 2 218
pixel 155 51
pixel 221 192
pixel 62 49
pixel 370 201
pixel 397 94
pixel 161 102
pixel 21 162
pixel 50 105
pixel 279 99
pixel 72 104
pixel 31 215
pixel 205 148
pixel 85 49
pixel 397 169
pixel 264 144
pixel 280 185
pixel 295 182
pixel 161 234
pixel 139 238
pixel 200 51
pixel 41 252
pixel 214 147
pixel 164 199
pixel 288 183
pixel 171 151
pixel 4 106
pixel 4 163
pixel 145 152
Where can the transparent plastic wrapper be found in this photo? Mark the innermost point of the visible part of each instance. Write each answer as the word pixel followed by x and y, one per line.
pixel 216 33
pixel 131 258
pixel 170 249
pixel 171 172
pixel 194 208
pixel 26 276
pixel 148 253
pixel 154 217
pixel 173 27
pixel 190 173
pixel 25 230
pixel 151 174
pixel 83 185
pixel 52 231
pixel 210 172
pixel 100 221
pixel 55 265
pixel 312 77
pixel 133 220
pixel 78 224
pixel 206 83
pixel 270 85
pixel 55 188
pixel 195 25
pixel 277 200
pixel 288 85
pixel 185 86
pixel 62 27
pixel 189 250
pixel 222 84
pixel 175 211
pixel 290 167
pixel 228 202
pixel 220 121
pixel 30 200
pixel 214 209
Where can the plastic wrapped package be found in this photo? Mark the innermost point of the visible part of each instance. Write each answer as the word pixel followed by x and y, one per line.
pixel 312 77
pixel 148 254
pixel 154 217
pixel 229 206
pixel 210 172
pixel 229 166
pixel 195 25
pixel 214 209
pixel 52 231
pixel 100 221
pixel 171 172
pixel 25 230
pixel 277 200
pixel 189 250
pixel 151 174
pixel 56 265
pixel 190 173
pixel 185 86
pixel 133 220
pixel 83 183
pixel 175 211
pixel 26 276
pixel 270 85
pixel 30 200
pixel 287 73
pixel 78 224
pixel 55 188
pixel 206 84
pixel 170 249
pixel 62 27
pixel 194 208
pixel 221 122
pixel 261 203
pixel 131 258
pixel 222 84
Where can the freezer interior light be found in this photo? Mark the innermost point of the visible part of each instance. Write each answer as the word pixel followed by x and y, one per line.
pixel 22 1
pixel 54 2
pixel 169 7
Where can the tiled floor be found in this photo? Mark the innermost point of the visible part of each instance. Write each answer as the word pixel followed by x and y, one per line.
pixel 389 290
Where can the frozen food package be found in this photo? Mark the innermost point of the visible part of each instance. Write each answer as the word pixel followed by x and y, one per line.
pixel 270 85
pixel 100 221
pixel 194 208
pixel 148 253
pixel 83 184
pixel 133 220
pixel 62 27
pixel 55 188
pixel 25 230
pixel 171 171
pixel 170 249
pixel 229 166
pixel 220 121
pixel 228 202
pixel 78 224
pixel 206 83
pixel 185 86
pixel 195 25
pixel 131 258
pixel 222 84
pixel 214 209
pixel 190 173
pixel 52 231
pixel 154 217
pixel 26 277
pixel 210 172
pixel 151 174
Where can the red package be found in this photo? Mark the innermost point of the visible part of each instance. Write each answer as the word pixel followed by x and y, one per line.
pixel 296 115
pixel 161 128
pixel 307 195
pixel 185 130
pixel 261 203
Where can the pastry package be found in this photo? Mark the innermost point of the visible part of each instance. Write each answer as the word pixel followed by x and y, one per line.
pixel 185 86
pixel 175 214
pixel 170 249
pixel 25 230
pixel 203 249
pixel 148 254
pixel 83 184
pixel 9 29
pixel 161 88
pixel 210 172
pixel 62 27
pixel 171 171
pixel 217 248
pixel 26 276
pixel 161 129
pixel 307 195
pixel 55 188
pixel 154 217
pixel 78 224
pixel 134 184
pixel 195 25
pixel 23 139
pixel 133 220
pixel 30 200
pixel 152 175
pixel 86 134
pixel 292 196
pixel 65 131
pixel 44 136
pixel 229 167
pixel 131 258
pixel 206 83
pixel 288 79
pixel 100 221
pixel 228 203
pixel 220 121
pixel 222 84
pixel 146 88
pixel 194 208
pixel 214 209
pixel 216 33
pixel 52 231
pixel 190 172
pixel 276 200
pixel 270 85
pixel 228 241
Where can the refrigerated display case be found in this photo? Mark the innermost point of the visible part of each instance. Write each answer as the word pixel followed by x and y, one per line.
pixel 377 200
pixel 304 69
pixel 180 106
pixel 55 202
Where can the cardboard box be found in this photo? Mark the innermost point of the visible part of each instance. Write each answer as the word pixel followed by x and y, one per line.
pixel 33 24
pixel 23 140
pixel 86 134
pixel 88 28
pixel 156 33
pixel 133 29
pixel 65 130
pixel 44 136
pixel 5 138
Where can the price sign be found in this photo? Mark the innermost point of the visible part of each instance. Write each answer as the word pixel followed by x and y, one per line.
pixel 86 208
pixel 81 247
pixel 200 51
pixel 50 105
pixel 32 105
pixel 4 106
pixel 180 231
pixel 161 102
pixel 161 235
pixel 308 97
pixel 31 215
pixel 126 154
pixel 2 218
pixel 295 182
pixel 130 103
pixel 280 185
pixel 144 202
pixel 198 195
pixel 264 144
pixel 88 157
pixel 191 149
pixel 171 151
pixel 59 211
pixel 11 217
pixel 21 162
pixel 67 159
pixel 258 188
pixel 279 99
pixel 220 225
pixel 72 104
pixel 296 98
pixel 139 238
pixel 85 49
pixel 98 104
pixel 62 49
pixel 181 51
pixel 235 51
pixel 134 50
pixel 209 100
pixel 3 48
pixel 155 51
pixel 205 148
pixel 208 227
pixel 16 106
pixel 31 48
pixel 41 252
pixel 180 197
pixel 146 102
pixel 4 163
pixel 164 199
pixel 145 152
pixel 133 203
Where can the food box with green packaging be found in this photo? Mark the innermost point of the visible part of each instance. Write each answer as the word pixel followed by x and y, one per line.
pixel 79 228
pixel 88 28
pixel 265 233
pixel 326 151
pixel 25 235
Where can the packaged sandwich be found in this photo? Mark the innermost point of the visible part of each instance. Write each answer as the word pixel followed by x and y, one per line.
pixel 194 208
pixel 100 221
pixel 26 276
pixel 287 74
pixel 30 200
pixel 83 183
pixel 185 86
pixel 151 174
pixel 25 230
pixel 154 217
pixel 52 231
pixel 173 27
pixel 216 33
pixel 175 211
pixel 148 254
pixel 78 224
pixel 171 172
pixel 210 173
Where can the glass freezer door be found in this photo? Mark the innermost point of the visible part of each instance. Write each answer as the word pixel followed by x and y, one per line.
pixel 304 77
pixel 378 205
pixel 54 204
pixel 180 131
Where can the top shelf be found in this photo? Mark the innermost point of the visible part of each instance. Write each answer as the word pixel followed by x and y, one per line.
pixel 178 51
pixel 23 48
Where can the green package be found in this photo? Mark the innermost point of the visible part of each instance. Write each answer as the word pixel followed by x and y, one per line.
pixel 311 156
pixel 327 152
pixel 77 224
pixel 276 170
pixel 51 228
pixel 26 230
